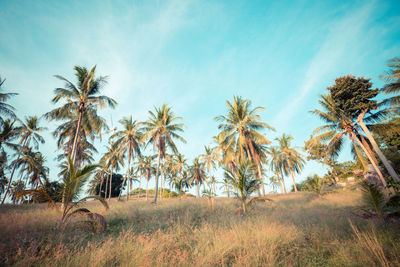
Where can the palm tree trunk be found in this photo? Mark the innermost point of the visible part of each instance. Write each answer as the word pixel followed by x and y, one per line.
pixel 147 189
pixel 244 206
pixel 354 137
pixel 78 129
pixel 284 186
pixel 280 182
pixel 110 189
pixel 128 177
pixel 106 189
pixel 101 185
pixel 291 173
pixel 261 180
pixel 156 181
pixel 198 189
pixel 122 186
pixel 364 142
pixel 371 139
pixel 12 172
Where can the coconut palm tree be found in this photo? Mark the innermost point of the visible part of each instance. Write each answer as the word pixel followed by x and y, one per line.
pixel 160 130
pixel 5 109
pixel 128 141
pixel 8 134
pixel 146 165
pixel 197 174
pixel 113 159
pixel 209 158
pixel 275 166
pixel 339 126
pixel 82 100
pixel 243 181
pixel 241 127
pixel 29 131
pixel 291 160
pixel 73 185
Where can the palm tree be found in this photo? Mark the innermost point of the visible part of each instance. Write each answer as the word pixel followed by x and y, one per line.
pixel 208 158
pixel 128 142
pixel 241 129
pixel 8 134
pixel 197 174
pixel 82 100
pixel 160 130
pixel 29 131
pixel 5 109
pixel 146 164
pixel 275 166
pixel 113 158
pixel 243 181
pixel 73 184
pixel 338 126
pixel 291 160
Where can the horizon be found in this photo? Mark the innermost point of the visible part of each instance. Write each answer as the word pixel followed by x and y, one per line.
pixel 195 56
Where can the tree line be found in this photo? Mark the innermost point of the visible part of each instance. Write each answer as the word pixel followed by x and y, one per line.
pixel 351 108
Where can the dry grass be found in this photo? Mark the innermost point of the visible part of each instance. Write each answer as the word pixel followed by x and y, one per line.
pixel 295 230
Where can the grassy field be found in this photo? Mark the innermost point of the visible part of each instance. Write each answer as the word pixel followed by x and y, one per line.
pixel 294 230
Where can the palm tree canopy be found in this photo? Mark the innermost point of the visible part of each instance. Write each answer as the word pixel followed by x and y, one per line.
pixel 5 109
pixel 161 128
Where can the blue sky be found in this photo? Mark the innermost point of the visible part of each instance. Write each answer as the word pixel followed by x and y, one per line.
pixel 195 55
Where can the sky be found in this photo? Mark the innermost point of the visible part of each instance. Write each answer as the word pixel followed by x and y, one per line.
pixel 194 56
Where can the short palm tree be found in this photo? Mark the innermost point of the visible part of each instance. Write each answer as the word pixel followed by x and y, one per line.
pixel 128 141
pixel 82 100
pixel 291 160
pixel 243 181
pixel 147 166
pixel 160 130
pixel 197 174
pixel 241 128
pixel 74 182
pixel 5 109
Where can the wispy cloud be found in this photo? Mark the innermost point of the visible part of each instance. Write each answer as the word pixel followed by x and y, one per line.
pixel 342 42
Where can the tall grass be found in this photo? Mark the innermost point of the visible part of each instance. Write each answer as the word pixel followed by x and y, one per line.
pixel 294 230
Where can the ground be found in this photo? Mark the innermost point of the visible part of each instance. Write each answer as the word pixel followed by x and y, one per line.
pixel 298 229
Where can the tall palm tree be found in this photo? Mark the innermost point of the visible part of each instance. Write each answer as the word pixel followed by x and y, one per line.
pixel 29 131
pixel 113 158
pixel 81 99
pixel 243 181
pixel 128 142
pixel 240 127
pixel 291 160
pixel 5 109
pixel 160 130
pixel 8 134
pixel 197 174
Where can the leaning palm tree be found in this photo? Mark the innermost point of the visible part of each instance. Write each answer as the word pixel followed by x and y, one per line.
pixel 240 127
pixel 5 109
pixel 29 131
pixel 81 99
pixel 197 173
pixel 128 142
pixel 243 181
pixel 160 130
pixel 337 126
pixel 291 160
